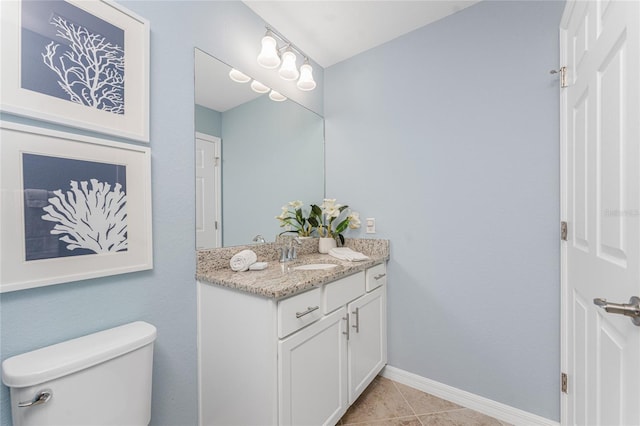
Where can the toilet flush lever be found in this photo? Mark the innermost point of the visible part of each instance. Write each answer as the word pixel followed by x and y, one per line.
pixel 40 398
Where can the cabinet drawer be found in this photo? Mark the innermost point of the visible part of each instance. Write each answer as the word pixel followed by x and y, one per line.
pixel 298 311
pixel 342 291
pixel 376 276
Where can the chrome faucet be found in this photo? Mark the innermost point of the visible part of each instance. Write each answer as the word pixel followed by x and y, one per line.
pixel 290 252
pixel 259 239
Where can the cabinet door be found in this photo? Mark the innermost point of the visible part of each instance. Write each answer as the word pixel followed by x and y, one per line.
pixel 368 340
pixel 312 371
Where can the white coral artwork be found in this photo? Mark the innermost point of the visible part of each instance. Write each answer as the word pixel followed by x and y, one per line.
pixel 92 218
pixel 91 71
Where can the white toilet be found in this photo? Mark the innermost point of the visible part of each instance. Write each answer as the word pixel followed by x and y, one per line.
pixel 100 379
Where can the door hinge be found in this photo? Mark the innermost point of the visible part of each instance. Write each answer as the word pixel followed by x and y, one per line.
pixel 216 161
pixel 564 230
pixel 215 224
pixel 563 381
pixel 563 76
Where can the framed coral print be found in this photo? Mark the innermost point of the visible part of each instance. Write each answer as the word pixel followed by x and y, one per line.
pixel 71 207
pixel 80 63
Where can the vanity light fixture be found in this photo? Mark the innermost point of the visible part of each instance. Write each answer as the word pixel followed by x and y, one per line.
pixel 259 87
pixel 271 56
pixel 306 81
pixel 288 70
pixel 238 76
pixel 275 96
pixel 256 86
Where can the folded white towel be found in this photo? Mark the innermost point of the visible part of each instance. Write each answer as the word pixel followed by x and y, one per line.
pixel 242 260
pixel 345 253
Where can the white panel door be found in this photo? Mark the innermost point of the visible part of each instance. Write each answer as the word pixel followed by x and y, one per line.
pixel 600 116
pixel 208 197
pixel 312 371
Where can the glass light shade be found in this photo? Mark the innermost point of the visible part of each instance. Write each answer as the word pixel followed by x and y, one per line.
pixel 288 70
pixel 268 56
pixel 306 81
pixel 238 77
pixel 259 87
pixel 275 96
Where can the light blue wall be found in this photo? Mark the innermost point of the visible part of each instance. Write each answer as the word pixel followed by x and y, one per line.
pixel 449 137
pixel 166 295
pixel 208 121
pixel 272 153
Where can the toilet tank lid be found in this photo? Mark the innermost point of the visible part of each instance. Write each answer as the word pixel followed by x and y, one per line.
pixel 64 358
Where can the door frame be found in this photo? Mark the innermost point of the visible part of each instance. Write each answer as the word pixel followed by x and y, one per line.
pixel 564 297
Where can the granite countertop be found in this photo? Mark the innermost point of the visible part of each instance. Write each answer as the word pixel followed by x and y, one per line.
pixel 280 280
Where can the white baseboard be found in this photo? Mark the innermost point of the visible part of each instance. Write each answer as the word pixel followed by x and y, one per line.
pixel 478 403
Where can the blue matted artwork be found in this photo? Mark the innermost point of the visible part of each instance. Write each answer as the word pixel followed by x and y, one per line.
pixel 72 55
pixel 73 207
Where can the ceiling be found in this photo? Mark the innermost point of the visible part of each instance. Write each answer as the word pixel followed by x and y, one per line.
pixel 330 31
pixel 213 87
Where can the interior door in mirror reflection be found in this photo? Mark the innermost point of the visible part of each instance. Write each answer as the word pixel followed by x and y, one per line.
pixel 208 220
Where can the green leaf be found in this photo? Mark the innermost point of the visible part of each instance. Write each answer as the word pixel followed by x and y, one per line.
pixel 342 226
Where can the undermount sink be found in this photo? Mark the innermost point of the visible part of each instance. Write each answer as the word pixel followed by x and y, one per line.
pixel 315 266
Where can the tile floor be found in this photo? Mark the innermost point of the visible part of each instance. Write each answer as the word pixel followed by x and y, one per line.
pixel 388 403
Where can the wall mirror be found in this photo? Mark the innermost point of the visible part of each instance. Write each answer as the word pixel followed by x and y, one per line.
pixel 253 155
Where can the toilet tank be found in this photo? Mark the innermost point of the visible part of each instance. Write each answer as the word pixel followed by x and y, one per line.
pixel 99 379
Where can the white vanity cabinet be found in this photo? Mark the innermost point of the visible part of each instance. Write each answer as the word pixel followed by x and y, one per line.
pixel 302 360
pixel 367 341
pixel 312 370
pixel 368 334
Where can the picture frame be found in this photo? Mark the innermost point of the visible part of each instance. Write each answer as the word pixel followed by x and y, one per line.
pixel 50 52
pixel 72 207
